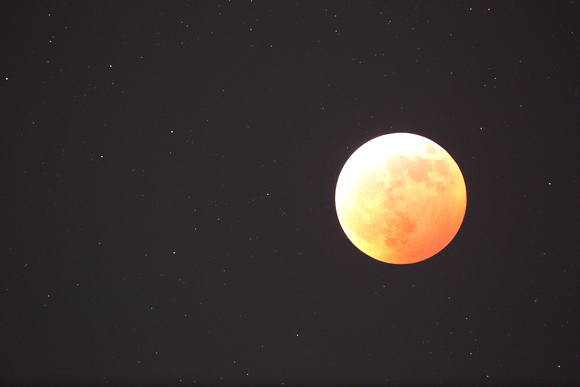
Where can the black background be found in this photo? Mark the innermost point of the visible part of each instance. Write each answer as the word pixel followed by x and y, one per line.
pixel 168 174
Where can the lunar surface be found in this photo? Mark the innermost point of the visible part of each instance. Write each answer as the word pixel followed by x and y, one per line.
pixel 400 198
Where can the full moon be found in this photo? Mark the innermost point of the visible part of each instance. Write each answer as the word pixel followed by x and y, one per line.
pixel 400 198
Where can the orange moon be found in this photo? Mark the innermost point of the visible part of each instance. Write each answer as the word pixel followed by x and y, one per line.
pixel 400 198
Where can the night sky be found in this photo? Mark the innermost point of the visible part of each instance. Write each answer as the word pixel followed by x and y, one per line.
pixel 168 176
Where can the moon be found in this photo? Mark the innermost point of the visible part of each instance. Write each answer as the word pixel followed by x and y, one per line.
pixel 400 198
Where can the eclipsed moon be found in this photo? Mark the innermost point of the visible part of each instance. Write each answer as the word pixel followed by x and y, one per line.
pixel 400 198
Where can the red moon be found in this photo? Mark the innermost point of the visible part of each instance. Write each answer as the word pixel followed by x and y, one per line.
pixel 400 198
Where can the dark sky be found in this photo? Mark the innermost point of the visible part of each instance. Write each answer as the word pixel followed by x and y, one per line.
pixel 168 174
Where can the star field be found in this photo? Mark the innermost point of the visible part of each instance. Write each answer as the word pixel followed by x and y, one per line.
pixel 168 176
